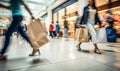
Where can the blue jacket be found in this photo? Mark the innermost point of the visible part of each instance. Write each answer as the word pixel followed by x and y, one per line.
pixel 57 27
pixel 84 19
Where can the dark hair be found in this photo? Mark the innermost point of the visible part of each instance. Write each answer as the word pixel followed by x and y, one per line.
pixel 52 22
pixel 94 4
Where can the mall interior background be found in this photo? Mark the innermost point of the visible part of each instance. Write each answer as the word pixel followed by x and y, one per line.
pixel 58 10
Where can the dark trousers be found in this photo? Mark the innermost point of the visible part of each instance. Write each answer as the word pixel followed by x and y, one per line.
pixel 52 34
pixel 15 26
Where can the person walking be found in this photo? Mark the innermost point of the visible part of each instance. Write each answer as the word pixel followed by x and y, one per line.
pixel 65 28
pixel 17 17
pixel 52 29
pixel 77 23
pixel 89 18
pixel 57 28
pixel 109 18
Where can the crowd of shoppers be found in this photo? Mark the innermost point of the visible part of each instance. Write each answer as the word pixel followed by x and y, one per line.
pixel 54 29
pixel 89 19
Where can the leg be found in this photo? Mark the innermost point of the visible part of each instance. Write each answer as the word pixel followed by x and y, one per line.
pixel 97 49
pixel 24 35
pixel 78 46
pixel 6 43
pixel 34 52
pixel 14 26
pixel 93 34
pixel 65 32
pixel 51 34
pixel 57 34
pixel 54 33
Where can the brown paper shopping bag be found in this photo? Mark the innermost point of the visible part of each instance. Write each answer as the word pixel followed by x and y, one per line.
pixel 37 34
pixel 82 34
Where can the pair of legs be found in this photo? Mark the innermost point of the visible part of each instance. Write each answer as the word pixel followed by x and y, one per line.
pixel 52 34
pixel 15 26
pixel 93 34
pixel 96 49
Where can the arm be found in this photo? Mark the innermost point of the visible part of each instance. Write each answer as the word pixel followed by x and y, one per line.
pixel 82 18
pixel 26 7
pixel 97 19
pixel 6 7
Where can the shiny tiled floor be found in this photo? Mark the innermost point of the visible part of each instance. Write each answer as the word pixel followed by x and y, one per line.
pixel 61 55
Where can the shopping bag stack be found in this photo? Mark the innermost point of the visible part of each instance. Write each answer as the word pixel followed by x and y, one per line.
pixel 37 34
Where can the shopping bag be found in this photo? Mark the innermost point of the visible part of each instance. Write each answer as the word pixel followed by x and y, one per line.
pixel 37 34
pixel 77 34
pixel 102 37
pixel 82 34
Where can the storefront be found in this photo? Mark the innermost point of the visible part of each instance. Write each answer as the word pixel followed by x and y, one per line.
pixel 114 6
pixel 69 9
pixel 66 11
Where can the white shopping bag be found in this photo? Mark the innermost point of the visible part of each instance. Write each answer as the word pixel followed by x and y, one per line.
pixel 102 37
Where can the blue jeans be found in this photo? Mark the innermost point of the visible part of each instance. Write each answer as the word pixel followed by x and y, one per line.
pixel 52 34
pixel 15 26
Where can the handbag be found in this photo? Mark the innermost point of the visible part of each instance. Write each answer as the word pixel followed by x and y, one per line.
pixel 81 34
pixel 37 34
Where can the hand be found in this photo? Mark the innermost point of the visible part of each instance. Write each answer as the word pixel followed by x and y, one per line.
pixel 82 26
pixel 101 26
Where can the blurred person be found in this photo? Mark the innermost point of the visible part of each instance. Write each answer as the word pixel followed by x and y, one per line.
pixel 17 17
pixel 57 29
pixel 90 18
pixel 77 23
pixel 109 18
pixel 65 28
pixel 52 29
pixel 110 31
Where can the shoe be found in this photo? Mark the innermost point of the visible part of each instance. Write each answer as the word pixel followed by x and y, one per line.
pixel 34 52
pixel 78 47
pixel 2 57
pixel 97 51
